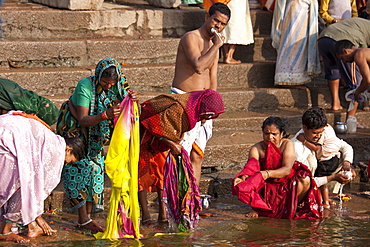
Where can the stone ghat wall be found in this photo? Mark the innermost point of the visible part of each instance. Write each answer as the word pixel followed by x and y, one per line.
pixel 73 4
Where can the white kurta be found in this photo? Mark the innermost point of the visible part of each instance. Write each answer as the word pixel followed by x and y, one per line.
pixel 294 34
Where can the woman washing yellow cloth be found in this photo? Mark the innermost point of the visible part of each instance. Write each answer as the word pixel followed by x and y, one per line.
pixel 121 165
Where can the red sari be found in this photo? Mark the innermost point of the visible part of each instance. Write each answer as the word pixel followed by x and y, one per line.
pixel 278 197
pixel 169 116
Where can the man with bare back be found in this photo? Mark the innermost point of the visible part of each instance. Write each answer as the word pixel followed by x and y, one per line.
pixel 196 69
pixel 348 52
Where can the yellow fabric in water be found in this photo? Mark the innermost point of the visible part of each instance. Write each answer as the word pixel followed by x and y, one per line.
pixel 121 165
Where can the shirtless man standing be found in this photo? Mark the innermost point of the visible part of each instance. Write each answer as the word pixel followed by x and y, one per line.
pixel 196 69
pixel 348 52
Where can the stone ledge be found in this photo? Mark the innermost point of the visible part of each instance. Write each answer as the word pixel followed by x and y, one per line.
pixel 73 4
pixel 165 3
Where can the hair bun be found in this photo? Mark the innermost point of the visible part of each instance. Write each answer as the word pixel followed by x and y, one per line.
pixel 73 134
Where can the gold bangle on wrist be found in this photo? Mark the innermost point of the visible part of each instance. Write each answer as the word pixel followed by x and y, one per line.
pixel 268 173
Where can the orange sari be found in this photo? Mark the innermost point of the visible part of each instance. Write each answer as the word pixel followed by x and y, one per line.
pixel 208 3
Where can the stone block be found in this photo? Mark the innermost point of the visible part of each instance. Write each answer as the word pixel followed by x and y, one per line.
pixel 73 4
pixel 165 3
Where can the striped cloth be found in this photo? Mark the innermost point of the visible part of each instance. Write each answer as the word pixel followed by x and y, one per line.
pixel 294 33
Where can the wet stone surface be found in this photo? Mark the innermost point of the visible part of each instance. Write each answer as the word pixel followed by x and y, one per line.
pixel 227 226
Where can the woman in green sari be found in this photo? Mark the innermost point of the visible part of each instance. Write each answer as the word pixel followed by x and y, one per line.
pixel 92 108
pixel 14 97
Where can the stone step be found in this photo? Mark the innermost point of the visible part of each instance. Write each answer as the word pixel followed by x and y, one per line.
pixel 230 149
pixel 236 131
pixel 29 21
pixel 71 53
pixel 243 101
pixel 151 77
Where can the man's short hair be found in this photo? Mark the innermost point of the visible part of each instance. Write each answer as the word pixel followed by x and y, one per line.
pixel 342 44
pixel 314 118
pixel 222 8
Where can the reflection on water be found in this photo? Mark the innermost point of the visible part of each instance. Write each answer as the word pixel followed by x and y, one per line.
pixel 347 227
pixel 335 231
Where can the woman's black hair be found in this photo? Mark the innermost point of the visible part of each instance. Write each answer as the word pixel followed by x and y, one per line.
pixel 110 72
pixel 281 125
pixel 74 141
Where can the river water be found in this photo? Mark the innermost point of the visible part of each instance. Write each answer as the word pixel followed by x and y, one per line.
pixel 229 227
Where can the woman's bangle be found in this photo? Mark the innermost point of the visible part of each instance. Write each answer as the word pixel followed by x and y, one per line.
pixel 104 115
pixel 268 173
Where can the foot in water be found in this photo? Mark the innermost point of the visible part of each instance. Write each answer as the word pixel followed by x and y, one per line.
pixel 252 215
pixel 39 227
pixel 90 225
pixel 329 204
pixel 204 213
pixel 47 230
pixel 9 236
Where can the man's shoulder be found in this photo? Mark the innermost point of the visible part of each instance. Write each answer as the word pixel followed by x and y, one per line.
pixel 362 53
pixel 195 34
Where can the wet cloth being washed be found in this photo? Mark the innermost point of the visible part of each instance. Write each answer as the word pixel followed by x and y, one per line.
pixel 277 198
pixel 14 97
pixel 183 195
pixel 121 167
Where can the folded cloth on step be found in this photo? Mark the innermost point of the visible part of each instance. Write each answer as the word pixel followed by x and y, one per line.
pixel 350 97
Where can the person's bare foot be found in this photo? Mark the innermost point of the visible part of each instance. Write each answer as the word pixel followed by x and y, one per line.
pixel 9 236
pixel 90 225
pixel 336 108
pixel 329 204
pixel 162 218
pixel 361 126
pixel 366 105
pixel 147 222
pixel 232 61
pixel 34 230
pixel 205 213
pixel 47 230
pixel 252 215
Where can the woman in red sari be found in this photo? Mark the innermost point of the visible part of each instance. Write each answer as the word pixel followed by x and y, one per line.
pixel 273 183
pixel 164 120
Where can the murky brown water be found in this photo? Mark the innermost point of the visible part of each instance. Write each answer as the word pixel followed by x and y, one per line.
pixel 349 227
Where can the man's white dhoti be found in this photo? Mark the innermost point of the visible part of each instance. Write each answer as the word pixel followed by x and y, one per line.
pixel 197 137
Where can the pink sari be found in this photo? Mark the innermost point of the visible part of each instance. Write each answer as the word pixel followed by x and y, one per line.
pixel 278 198
pixel 31 162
